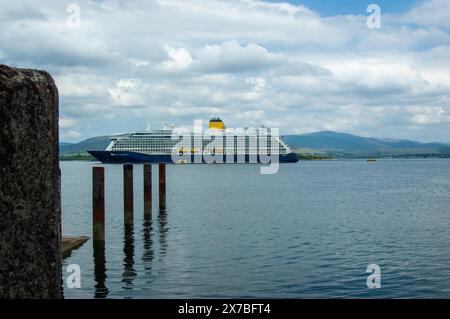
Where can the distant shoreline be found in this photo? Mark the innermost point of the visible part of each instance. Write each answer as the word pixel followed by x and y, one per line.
pixel 323 145
pixel 83 156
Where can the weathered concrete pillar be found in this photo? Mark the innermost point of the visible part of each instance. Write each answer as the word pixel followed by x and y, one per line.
pixel 30 213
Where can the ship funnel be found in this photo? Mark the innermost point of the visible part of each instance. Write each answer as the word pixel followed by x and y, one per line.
pixel 216 124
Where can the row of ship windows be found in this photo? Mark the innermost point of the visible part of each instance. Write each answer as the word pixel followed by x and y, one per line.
pixel 169 145
pixel 169 142
pixel 166 151
pixel 169 149
pixel 193 150
pixel 166 146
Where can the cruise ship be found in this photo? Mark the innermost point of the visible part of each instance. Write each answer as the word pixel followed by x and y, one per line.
pixel 216 145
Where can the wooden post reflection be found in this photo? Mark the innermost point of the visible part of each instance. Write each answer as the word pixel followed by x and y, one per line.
pixel 129 273
pixel 163 229
pixel 101 291
pixel 147 232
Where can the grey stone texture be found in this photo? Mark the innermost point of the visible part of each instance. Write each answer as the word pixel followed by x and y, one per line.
pixel 30 220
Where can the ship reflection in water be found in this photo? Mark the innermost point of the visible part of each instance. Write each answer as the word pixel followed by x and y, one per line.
pixel 129 273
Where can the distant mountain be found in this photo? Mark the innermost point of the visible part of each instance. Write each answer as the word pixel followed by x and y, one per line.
pixel 98 143
pixel 347 144
pixel 325 142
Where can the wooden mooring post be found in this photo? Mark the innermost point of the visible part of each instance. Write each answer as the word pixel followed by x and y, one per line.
pixel 147 189
pixel 162 185
pixel 128 194
pixel 98 203
pixel 98 196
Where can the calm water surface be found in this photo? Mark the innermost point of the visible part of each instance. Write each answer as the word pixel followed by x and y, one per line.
pixel 310 230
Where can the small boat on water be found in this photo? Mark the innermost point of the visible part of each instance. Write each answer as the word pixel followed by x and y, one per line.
pixel 370 160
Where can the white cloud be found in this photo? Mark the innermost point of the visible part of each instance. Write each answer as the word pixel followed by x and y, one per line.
pixel 80 85
pixel 127 93
pixel 430 115
pixel 70 135
pixel 258 83
pixel 179 59
pixel 230 57
pixel 138 62
pixel 66 122
pixel 430 12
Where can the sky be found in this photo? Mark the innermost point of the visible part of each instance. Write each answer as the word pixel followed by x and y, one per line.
pixel 300 66
pixel 355 7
